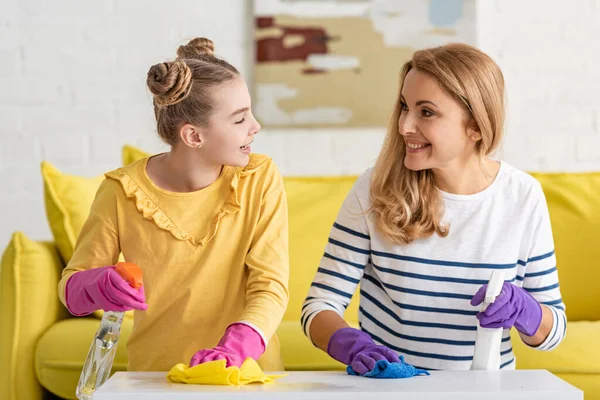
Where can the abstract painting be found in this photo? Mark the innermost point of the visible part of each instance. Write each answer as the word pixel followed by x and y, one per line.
pixel 335 63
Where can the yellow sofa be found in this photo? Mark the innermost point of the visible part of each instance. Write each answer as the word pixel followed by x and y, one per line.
pixel 42 348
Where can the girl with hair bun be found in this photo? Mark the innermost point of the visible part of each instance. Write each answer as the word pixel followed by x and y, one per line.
pixel 206 222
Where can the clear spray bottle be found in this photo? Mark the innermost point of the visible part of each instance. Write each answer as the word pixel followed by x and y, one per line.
pixel 101 354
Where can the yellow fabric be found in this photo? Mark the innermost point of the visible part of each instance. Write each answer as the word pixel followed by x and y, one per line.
pixel 216 373
pixel 576 360
pixel 29 272
pixel 578 353
pixel 574 205
pixel 299 354
pixel 67 200
pixel 131 154
pixel 589 383
pixel 210 258
pixel 313 204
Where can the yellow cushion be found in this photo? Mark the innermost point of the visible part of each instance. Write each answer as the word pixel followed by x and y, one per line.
pixel 576 359
pixel 131 154
pixel 590 384
pixel 29 274
pixel 313 205
pixel 299 354
pixel 63 348
pixel 68 199
pixel 574 204
pixel 578 353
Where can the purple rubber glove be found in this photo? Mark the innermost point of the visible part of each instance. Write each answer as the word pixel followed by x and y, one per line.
pixel 513 307
pixel 239 342
pixel 102 289
pixel 355 348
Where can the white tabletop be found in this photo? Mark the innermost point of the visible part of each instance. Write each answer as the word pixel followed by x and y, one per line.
pixel 442 385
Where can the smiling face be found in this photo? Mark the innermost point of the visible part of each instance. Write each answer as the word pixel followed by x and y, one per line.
pixel 231 127
pixel 435 127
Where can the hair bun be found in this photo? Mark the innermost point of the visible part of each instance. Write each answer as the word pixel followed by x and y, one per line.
pixel 170 82
pixel 197 47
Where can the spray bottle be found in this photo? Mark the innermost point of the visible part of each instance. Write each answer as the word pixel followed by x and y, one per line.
pixel 101 355
pixel 487 344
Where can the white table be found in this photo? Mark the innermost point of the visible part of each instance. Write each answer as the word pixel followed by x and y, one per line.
pixel 442 385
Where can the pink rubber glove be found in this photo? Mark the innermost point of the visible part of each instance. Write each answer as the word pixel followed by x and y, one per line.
pixel 102 288
pixel 238 343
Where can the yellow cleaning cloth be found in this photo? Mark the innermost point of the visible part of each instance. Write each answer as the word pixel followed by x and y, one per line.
pixel 216 373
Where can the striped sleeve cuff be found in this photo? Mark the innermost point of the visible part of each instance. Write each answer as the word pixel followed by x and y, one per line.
pixel 557 333
pixel 310 311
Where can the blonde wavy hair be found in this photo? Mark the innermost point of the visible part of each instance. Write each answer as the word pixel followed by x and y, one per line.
pixel 406 204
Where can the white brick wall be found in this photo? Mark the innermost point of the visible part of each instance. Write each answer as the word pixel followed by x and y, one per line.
pixel 72 91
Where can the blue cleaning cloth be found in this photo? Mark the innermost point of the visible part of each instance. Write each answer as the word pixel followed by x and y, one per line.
pixel 386 370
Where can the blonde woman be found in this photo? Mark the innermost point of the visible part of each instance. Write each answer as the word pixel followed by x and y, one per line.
pixel 423 230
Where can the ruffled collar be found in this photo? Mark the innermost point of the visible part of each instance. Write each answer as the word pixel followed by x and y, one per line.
pixel 128 177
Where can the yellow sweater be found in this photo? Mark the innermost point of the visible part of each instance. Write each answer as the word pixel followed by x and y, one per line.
pixel 209 258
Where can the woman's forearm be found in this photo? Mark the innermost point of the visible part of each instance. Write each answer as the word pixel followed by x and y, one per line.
pixel 323 326
pixel 543 331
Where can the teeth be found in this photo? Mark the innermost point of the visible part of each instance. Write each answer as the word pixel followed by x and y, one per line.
pixel 416 146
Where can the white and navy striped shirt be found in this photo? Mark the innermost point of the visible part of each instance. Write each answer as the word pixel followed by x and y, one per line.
pixel 415 299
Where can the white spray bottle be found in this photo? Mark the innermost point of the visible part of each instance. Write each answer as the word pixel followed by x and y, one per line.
pixel 487 344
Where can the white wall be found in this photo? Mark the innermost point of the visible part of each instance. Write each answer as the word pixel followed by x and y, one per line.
pixel 72 89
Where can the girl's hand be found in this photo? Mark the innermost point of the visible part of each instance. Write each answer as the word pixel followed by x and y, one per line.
pixel 102 289
pixel 239 342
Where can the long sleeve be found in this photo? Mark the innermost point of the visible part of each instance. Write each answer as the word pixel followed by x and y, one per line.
pixel 541 276
pixel 267 290
pixel 342 265
pixel 98 242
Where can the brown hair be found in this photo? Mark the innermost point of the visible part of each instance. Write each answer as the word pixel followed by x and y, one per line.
pixel 406 203
pixel 182 88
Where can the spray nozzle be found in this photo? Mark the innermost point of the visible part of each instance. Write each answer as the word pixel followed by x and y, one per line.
pixel 494 287
pixel 131 273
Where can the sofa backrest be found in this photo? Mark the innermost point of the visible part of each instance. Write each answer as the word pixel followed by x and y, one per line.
pixel 313 204
pixel 574 204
